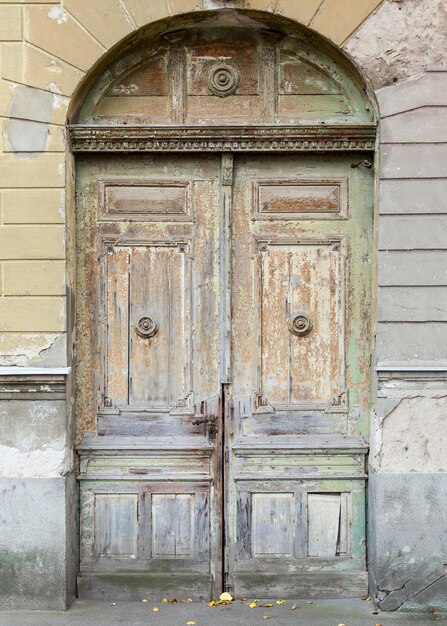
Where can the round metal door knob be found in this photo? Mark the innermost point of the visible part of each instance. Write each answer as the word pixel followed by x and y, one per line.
pixel 300 324
pixel 147 327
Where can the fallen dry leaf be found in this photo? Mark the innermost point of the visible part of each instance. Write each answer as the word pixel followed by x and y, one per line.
pixel 213 604
pixel 165 600
pixel 252 605
pixel 113 604
pixel 342 625
pixel 267 606
pixel 281 601
pixel 226 598
pixel 366 598
pixel 144 600
pixel 189 600
pixel 265 617
pixel 155 609
pixel 294 607
pixel 190 623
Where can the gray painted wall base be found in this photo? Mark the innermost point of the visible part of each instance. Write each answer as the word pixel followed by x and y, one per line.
pixel 38 545
pixel 408 541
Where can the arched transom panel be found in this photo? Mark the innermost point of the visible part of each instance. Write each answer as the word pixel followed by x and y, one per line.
pixel 227 76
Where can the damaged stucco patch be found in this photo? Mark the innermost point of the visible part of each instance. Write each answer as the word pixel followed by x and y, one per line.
pixel 400 40
pixel 406 414
pixel 407 595
pixel 30 114
pixel 33 438
pixel 24 136
pixel 408 542
pixel 408 443
pixel 35 464
pixel 26 349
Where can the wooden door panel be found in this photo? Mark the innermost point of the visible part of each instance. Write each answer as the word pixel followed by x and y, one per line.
pixel 160 290
pixel 302 231
pixel 297 280
pixel 116 526
pixel 148 369
pixel 142 538
pixel 117 315
pixel 292 539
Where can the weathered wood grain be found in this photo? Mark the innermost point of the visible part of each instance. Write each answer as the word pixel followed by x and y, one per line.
pixel 323 524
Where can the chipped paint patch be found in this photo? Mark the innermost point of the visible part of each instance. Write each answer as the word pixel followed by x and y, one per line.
pixel 25 349
pixel 35 464
pixel 58 14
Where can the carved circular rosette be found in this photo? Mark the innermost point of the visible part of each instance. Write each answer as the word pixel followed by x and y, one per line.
pixel 223 80
pixel 147 327
pixel 300 324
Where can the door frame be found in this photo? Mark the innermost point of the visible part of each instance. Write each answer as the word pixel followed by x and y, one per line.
pixel 225 141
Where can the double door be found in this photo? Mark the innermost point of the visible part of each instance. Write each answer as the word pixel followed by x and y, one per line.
pixel 223 374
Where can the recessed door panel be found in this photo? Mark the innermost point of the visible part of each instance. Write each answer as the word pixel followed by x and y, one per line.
pixel 301 327
pixel 159 325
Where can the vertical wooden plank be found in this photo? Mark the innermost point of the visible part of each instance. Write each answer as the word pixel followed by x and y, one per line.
pixel 272 524
pixel 145 525
pixel 172 531
pixel 275 366
pixel 116 528
pixel 315 359
pixel 225 267
pixel 243 525
pixel 301 524
pixel 323 523
pixel 117 291
pixel 157 289
pixel 177 79
pixel 345 513
pixel 202 527
pixel 269 82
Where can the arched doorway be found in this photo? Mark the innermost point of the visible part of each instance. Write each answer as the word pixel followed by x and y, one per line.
pixel 224 231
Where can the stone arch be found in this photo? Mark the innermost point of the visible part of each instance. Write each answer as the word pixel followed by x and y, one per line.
pixel 321 62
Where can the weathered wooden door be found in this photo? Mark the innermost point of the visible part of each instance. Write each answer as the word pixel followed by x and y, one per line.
pixel 149 233
pixel 298 410
pixel 228 325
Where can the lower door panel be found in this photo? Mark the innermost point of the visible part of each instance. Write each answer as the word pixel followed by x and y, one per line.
pixel 143 535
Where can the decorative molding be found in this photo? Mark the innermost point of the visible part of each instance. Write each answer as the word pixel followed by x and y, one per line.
pixel 223 80
pixel 31 371
pixel 328 138
pixel 411 373
pixel 32 386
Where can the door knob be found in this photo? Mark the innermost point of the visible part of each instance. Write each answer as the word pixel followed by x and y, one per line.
pixel 147 326
pixel 300 324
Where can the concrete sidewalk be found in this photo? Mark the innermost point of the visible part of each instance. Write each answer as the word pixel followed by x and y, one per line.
pixel 318 613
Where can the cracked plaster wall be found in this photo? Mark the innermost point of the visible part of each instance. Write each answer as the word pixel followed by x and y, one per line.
pixel 410 427
pixel 400 40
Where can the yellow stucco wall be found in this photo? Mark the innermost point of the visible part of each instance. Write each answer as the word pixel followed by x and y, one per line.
pixel 49 47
